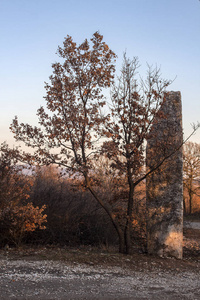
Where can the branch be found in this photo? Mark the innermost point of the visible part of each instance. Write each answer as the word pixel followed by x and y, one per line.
pixel 195 128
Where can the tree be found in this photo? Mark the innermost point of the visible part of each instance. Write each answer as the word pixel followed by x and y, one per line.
pixel 17 215
pixel 75 123
pixel 135 104
pixel 191 169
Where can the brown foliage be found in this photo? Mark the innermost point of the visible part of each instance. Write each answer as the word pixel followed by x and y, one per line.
pixel 17 215
pixel 74 99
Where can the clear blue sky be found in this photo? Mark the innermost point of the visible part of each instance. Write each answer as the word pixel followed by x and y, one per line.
pixel 162 32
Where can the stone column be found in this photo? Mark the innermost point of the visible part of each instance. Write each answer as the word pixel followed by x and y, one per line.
pixel 165 185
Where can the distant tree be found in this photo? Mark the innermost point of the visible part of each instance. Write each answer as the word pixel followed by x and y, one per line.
pixel 191 169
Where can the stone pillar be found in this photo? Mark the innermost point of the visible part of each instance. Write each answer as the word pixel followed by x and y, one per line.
pixel 165 185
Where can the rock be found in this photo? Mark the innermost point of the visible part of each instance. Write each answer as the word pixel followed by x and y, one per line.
pixel 165 185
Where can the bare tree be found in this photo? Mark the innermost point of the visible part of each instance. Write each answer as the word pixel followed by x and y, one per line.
pixel 135 105
pixel 191 168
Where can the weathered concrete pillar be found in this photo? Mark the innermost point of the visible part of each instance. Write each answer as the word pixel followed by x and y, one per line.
pixel 165 185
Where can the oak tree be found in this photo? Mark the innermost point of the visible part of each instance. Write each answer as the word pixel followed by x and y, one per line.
pixel 69 133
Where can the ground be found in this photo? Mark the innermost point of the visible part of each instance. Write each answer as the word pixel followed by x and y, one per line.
pixel 46 273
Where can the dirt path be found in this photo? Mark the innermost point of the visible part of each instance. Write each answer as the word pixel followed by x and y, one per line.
pixel 30 279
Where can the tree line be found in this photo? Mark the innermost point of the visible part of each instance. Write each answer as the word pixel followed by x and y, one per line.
pixel 39 206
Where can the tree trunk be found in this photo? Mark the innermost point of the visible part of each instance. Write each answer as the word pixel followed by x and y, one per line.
pixel 127 236
pixel 184 205
pixel 190 202
pixel 127 230
pixel 190 192
pixel 121 242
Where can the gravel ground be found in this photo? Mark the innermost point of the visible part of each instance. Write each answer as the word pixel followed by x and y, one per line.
pixel 22 279
pixel 146 279
pixel 53 273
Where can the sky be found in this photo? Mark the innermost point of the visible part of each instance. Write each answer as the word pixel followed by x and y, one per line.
pixel 164 33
